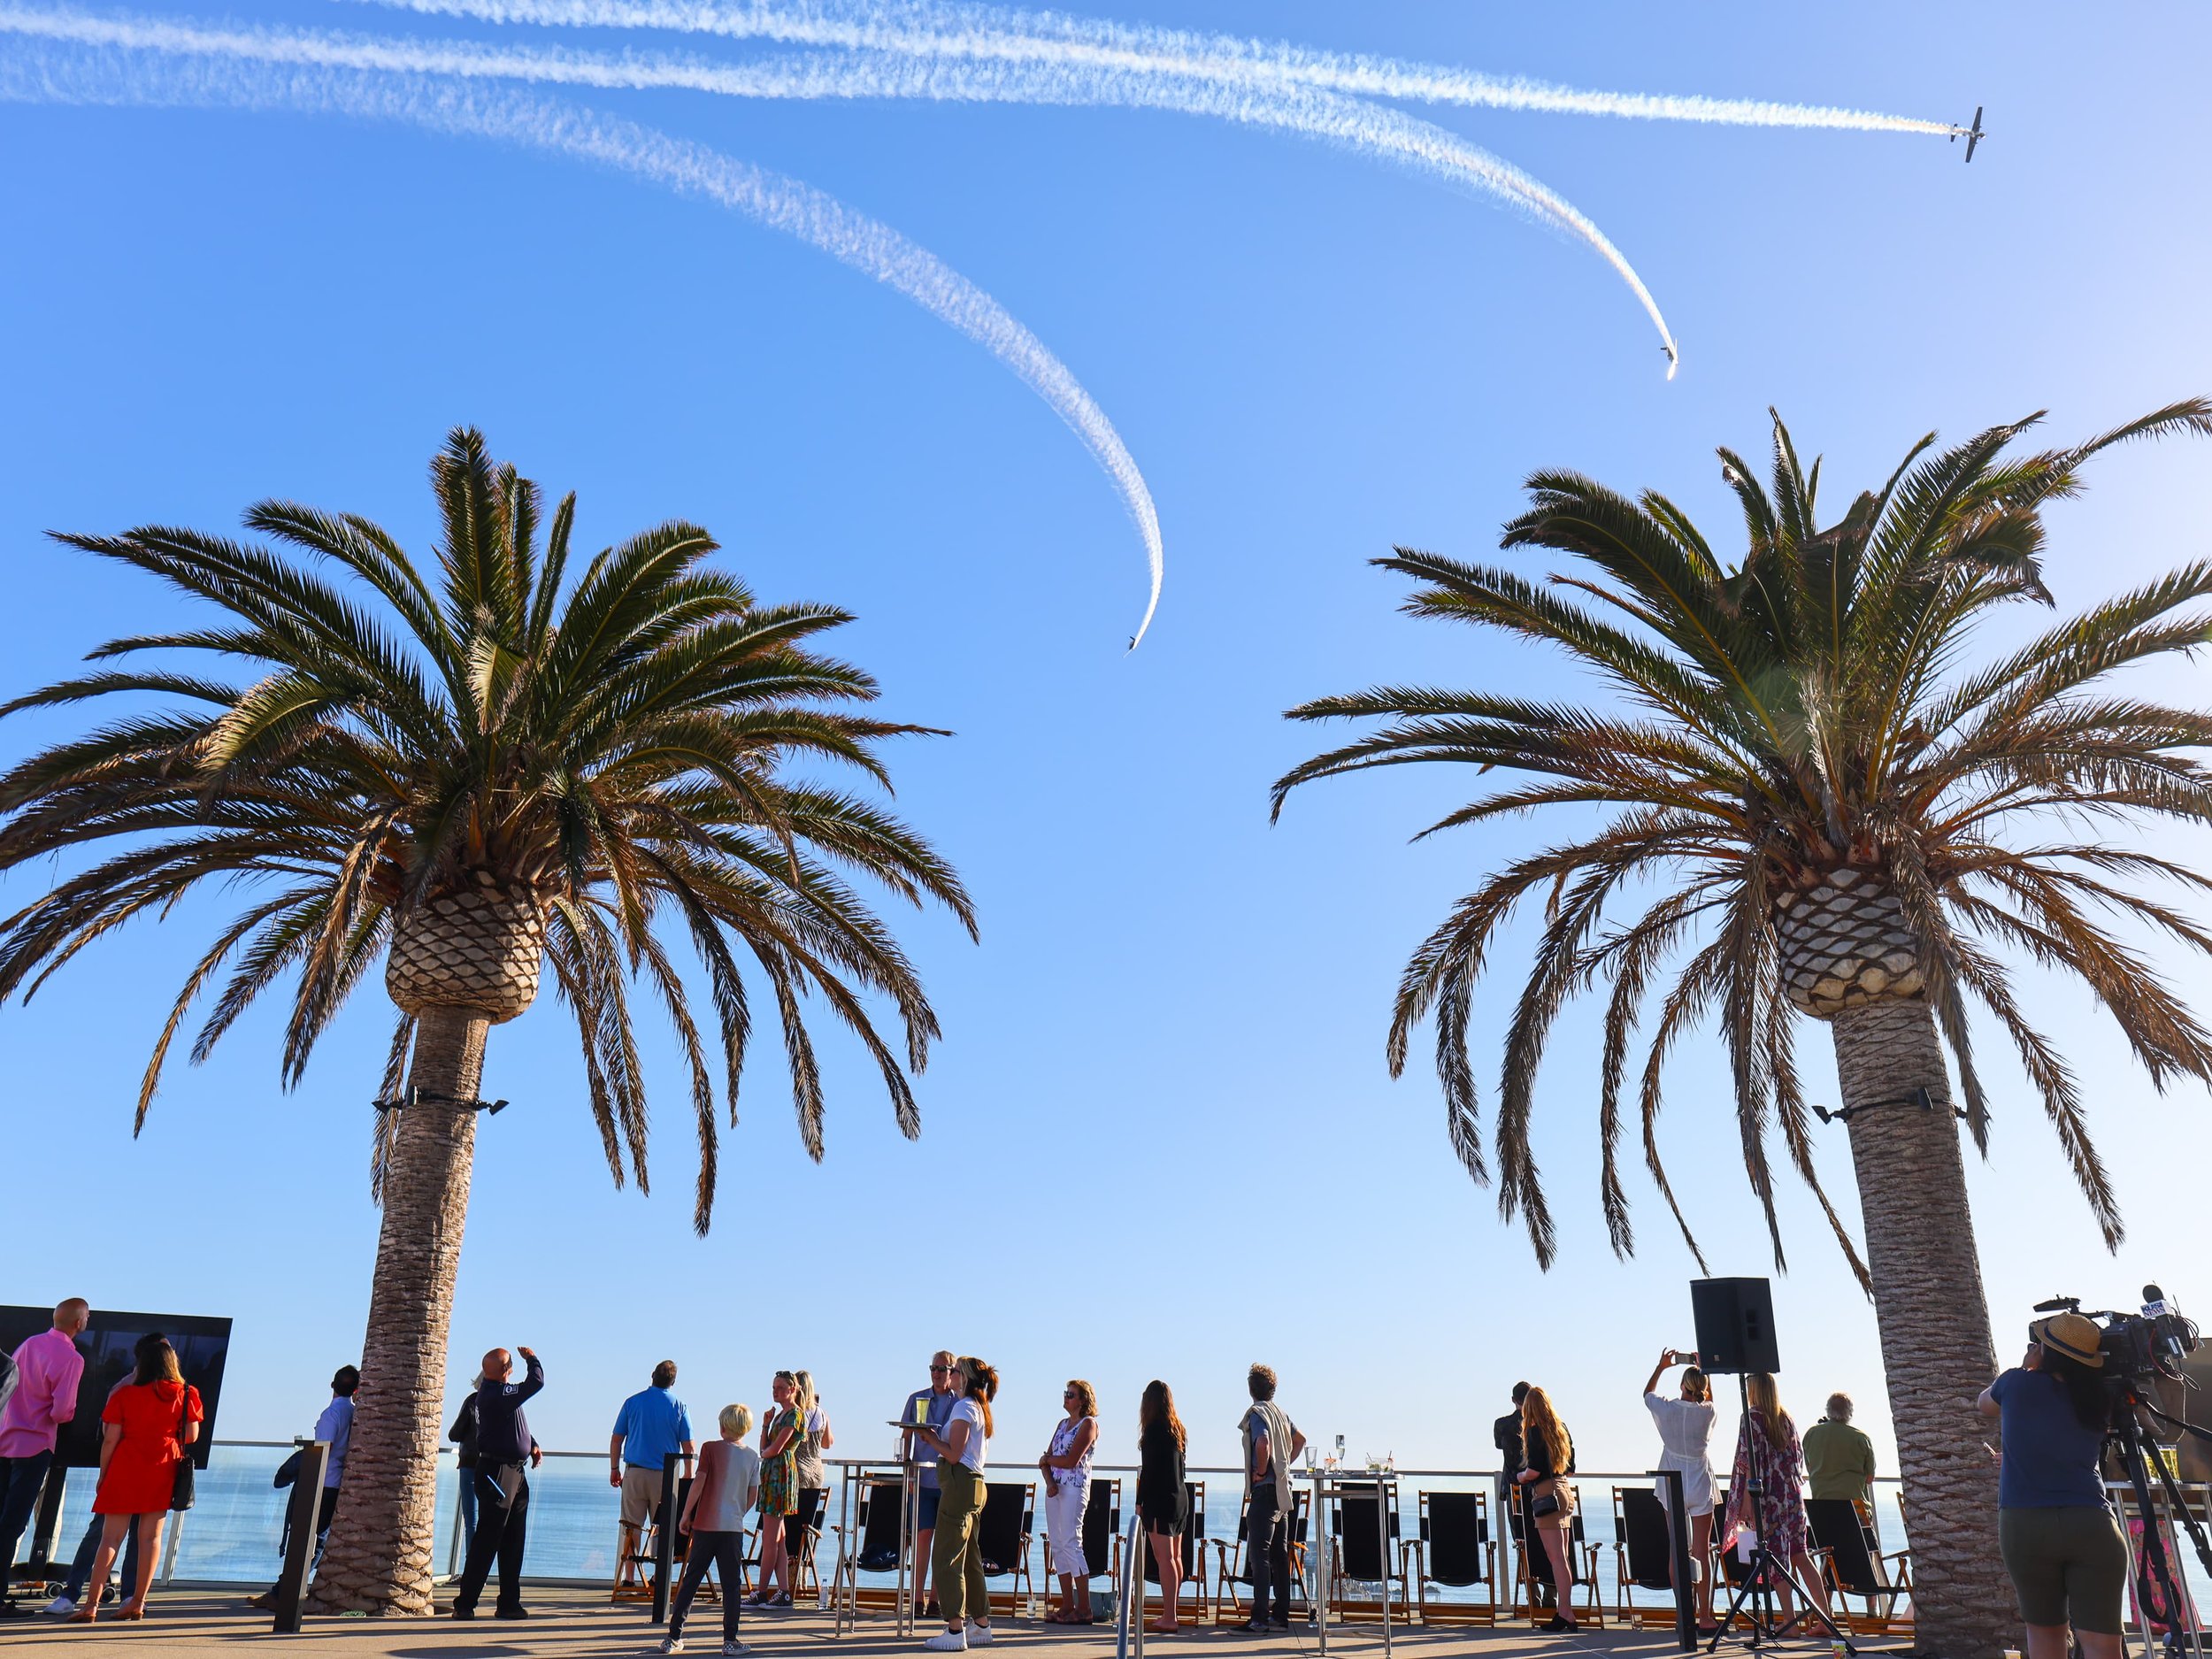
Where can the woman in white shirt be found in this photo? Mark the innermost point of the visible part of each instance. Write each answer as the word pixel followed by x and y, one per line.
pixel 727 1488
pixel 954 1561
pixel 1685 1431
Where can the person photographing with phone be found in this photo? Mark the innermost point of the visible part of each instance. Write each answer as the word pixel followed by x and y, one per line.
pixel 504 1450
pixel 1685 1435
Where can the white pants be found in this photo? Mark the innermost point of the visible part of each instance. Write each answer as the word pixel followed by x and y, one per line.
pixel 1064 1527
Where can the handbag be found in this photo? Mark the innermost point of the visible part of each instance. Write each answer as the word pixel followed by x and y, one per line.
pixel 1548 1504
pixel 287 1471
pixel 180 1493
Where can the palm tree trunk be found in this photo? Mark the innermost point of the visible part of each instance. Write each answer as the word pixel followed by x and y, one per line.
pixel 1934 1323
pixel 379 1556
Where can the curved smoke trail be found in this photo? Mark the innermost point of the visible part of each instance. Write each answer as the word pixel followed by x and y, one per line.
pixel 1366 128
pixel 208 78
pixel 1077 44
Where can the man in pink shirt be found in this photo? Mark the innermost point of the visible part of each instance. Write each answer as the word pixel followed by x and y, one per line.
pixel 47 1368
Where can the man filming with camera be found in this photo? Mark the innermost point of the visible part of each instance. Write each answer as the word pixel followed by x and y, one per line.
pixel 2060 1543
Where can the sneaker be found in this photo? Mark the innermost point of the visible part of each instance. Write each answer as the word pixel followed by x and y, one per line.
pixel 462 1612
pixel 1255 1627
pixel 516 1611
pixel 729 1647
pixel 978 1634
pixel 60 1607
pixel 947 1641
pixel 672 1644
pixel 782 1600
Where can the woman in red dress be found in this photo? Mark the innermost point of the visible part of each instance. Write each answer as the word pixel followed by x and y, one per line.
pixel 145 1427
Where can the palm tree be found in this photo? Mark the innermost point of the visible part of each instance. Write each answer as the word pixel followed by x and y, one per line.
pixel 465 776
pixel 1841 817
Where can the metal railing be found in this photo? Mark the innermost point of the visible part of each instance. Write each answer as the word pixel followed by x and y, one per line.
pixel 231 1536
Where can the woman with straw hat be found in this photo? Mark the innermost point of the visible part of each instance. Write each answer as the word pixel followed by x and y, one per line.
pixel 2060 1544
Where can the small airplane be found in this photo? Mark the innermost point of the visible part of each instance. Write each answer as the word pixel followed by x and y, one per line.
pixel 1972 135
pixel 1673 362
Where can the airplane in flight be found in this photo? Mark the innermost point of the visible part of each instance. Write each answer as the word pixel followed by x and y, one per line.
pixel 1972 135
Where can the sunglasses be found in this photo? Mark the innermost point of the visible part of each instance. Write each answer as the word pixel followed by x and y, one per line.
pixel 934 1370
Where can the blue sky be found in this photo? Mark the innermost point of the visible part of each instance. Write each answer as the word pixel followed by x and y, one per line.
pixel 1158 1137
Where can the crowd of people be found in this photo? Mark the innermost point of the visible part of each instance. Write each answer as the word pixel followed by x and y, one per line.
pixel 148 1423
pixel 947 1428
pixel 2061 1541
pixel 1767 1481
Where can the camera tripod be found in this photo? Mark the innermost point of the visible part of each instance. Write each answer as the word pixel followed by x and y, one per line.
pixel 2153 1566
pixel 1768 1572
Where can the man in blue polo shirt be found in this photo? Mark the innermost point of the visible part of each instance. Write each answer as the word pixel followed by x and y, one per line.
pixel 651 1425
pixel 932 1405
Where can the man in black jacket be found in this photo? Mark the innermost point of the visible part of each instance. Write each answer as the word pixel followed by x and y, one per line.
pixel 1505 1435
pixel 504 1450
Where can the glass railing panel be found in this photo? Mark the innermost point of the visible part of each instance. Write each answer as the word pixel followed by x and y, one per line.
pixel 231 1536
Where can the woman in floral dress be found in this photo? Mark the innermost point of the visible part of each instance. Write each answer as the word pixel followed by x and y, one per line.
pixel 1768 1453
pixel 778 1491
pixel 1066 1467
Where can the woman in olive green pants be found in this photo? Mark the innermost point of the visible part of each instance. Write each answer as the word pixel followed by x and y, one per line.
pixel 954 1561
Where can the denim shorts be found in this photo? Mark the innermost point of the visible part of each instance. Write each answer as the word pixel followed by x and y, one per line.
pixel 928 1521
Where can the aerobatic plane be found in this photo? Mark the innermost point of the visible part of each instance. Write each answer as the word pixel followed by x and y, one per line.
pixel 1973 134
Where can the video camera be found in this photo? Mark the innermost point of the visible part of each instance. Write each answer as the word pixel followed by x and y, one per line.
pixel 2137 1345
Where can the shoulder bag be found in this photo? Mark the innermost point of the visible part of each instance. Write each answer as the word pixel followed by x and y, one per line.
pixel 180 1493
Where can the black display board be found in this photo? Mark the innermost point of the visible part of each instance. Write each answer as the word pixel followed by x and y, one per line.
pixel 203 1346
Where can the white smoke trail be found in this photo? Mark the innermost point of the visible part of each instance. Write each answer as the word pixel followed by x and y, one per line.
pixel 206 75
pixel 1355 124
pixel 1075 44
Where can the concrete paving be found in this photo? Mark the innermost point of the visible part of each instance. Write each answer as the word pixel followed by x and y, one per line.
pixel 582 1624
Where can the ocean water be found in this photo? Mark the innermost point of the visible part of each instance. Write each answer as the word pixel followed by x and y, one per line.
pixel 232 1533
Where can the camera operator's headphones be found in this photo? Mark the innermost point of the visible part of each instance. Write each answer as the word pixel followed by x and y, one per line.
pixel 2072 1335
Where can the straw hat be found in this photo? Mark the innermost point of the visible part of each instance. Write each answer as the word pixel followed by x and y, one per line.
pixel 2072 1335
